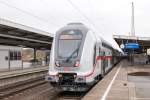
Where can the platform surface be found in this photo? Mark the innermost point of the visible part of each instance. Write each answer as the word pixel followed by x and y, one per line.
pixel 123 82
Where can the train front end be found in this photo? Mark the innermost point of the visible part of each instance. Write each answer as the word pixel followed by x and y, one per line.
pixel 65 61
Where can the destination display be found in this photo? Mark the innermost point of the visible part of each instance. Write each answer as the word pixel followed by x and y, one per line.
pixel 68 36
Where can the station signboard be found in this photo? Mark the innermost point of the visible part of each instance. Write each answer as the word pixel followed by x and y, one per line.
pixel 132 46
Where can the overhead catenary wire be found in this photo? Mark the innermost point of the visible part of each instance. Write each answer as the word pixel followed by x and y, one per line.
pixel 83 14
pixel 28 13
pixel 94 11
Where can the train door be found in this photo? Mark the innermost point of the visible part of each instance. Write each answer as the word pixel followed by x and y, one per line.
pixel 4 60
pixel 107 62
pixel 98 51
pixel 103 65
pixel 96 62
pixel 113 58
pixel 94 56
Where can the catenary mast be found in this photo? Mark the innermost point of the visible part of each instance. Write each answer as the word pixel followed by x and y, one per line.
pixel 132 21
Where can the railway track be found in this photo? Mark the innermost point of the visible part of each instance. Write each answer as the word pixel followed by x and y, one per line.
pixel 14 84
pixel 32 86
pixel 69 96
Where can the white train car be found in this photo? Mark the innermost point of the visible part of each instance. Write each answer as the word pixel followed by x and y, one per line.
pixel 79 57
pixel 10 57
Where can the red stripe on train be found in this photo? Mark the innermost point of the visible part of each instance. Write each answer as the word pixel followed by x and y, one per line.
pixel 97 58
pixel 103 57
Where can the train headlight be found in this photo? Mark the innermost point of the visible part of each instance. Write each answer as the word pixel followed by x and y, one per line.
pixel 77 64
pixel 60 75
pixel 74 76
pixel 57 63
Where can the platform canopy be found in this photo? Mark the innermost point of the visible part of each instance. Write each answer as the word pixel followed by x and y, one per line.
pixel 15 34
pixel 143 42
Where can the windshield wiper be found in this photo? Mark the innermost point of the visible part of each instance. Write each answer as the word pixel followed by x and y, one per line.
pixel 68 58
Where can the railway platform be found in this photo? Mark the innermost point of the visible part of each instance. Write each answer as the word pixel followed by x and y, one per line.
pixel 123 82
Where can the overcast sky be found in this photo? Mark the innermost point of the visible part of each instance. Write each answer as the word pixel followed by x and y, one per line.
pixel 104 16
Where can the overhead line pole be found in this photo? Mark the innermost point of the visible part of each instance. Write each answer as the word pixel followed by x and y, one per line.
pixel 132 21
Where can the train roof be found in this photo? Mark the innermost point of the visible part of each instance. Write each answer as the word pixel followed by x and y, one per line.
pixel 78 25
pixel 74 26
pixel 107 43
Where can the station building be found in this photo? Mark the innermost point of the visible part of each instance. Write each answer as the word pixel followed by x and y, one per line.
pixel 10 57
pixel 14 38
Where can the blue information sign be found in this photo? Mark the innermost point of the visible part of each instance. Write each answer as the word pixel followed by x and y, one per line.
pixel 131 45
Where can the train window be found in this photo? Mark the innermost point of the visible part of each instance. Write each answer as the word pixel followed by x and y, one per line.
pixel 69 43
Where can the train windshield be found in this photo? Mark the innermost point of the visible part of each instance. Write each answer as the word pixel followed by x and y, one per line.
pixel 69 43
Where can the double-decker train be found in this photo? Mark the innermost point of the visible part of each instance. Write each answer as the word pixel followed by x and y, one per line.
pixel 79 57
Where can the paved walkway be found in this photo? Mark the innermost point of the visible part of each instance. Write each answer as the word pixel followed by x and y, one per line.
pixel 124 82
